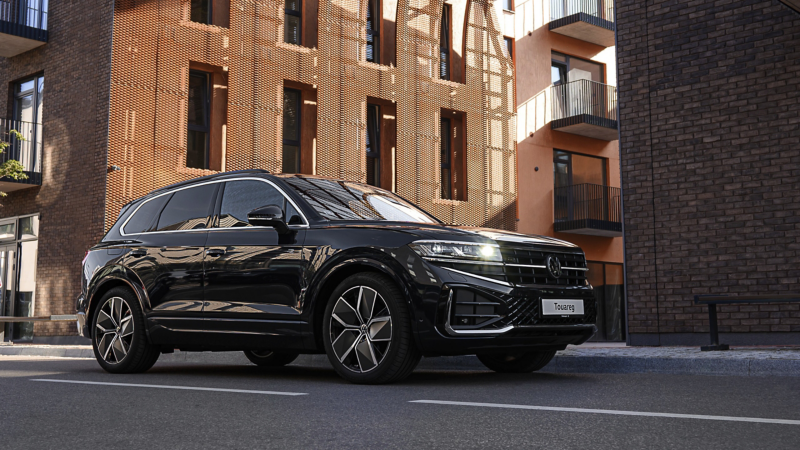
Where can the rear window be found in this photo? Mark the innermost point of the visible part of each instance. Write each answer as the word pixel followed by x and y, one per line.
pixel 144 218
pixel 344 200
pixel 188 209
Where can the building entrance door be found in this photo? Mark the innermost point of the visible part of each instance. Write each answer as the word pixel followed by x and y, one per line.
pixel 7 265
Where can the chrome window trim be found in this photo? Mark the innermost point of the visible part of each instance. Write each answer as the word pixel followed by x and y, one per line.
pixel 299 211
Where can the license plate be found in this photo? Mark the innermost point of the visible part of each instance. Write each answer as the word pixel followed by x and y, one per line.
pixel 562 307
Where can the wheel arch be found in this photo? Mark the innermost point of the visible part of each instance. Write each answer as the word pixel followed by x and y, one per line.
pixel 107 282
pixel 341 271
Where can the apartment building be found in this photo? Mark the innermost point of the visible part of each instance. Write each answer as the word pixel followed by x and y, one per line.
pixel 567 136
pixel 710 113
pixel 117 98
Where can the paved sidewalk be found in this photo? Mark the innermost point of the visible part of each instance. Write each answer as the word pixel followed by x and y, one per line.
pixel 588 358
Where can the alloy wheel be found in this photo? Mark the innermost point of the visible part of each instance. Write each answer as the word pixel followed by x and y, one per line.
pixel 360 329
pixel 114 332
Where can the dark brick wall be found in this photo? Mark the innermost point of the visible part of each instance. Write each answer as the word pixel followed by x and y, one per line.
pixel 76 67
pixel 709 96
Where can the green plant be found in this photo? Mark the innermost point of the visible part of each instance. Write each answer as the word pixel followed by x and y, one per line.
pixel 11 168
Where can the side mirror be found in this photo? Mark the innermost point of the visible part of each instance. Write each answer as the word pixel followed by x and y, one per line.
pixel 268 216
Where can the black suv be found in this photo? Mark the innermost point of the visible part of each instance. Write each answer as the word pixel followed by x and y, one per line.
pixel 279 265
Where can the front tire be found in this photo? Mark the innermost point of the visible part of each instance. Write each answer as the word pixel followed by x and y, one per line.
pixel 517 362
pixel 269 358
pixel 367 331
pixel 118 334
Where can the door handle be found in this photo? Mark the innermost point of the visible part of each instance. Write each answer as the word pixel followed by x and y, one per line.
pixel 138 252
pixel 215 252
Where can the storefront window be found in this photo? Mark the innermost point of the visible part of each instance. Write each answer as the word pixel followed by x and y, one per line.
pixel 18 252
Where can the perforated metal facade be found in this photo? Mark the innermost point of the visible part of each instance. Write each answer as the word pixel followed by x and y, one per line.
pixel 155 44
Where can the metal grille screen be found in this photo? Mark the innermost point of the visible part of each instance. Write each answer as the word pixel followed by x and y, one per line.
pixel 155 41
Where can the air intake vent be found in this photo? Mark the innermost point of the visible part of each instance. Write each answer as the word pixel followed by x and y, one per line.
pixel 471 310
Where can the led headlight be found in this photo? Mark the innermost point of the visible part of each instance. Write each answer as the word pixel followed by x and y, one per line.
pixel 447 250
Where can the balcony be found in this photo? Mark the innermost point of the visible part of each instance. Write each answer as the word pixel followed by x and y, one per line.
pixel 27 152
pixel 587 20
pixel 23 26
pixel 586 108
pixel 589 209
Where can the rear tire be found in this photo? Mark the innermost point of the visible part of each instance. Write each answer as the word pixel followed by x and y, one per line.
pixel 367 331
pixel 517 362
pixel 269 358
pixel 118 334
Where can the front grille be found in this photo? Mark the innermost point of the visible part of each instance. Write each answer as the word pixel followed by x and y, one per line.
pixel 522 311
pixel 528 265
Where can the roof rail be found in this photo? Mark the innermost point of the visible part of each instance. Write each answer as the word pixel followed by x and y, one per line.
pixel 208 177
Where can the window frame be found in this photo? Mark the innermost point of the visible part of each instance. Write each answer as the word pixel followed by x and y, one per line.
pixel 373 151
pixel 215 212
pixel 294 13
pixel 510 3
pixel 206 116
pixel 510 43
pixel 298 142
pixel 375 20
pixel 566 64
pixel 569 166
pixel 446 137
pixel 209 13
pixel 446 34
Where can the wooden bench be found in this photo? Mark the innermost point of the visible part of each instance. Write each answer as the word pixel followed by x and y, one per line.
pixel 713 300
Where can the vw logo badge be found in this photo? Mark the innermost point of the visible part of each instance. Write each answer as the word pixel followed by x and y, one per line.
pixel 553 266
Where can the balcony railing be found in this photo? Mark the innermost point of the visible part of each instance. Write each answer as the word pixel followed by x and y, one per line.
pixel 27 152
pixel 23 25
pixel 588 20
pixel 585 107
pixel 590 209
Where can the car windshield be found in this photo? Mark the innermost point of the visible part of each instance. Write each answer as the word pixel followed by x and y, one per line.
pixel 344 200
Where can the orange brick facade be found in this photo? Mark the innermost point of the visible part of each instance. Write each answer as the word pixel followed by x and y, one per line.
pixel 155 45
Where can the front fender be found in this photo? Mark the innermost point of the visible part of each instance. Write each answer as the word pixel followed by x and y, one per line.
pixel 347 261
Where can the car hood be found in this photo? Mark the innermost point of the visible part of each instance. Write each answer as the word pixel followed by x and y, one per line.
pixel 516 238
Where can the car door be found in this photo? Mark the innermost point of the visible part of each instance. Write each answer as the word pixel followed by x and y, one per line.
pixel 254 276
pixel 168 255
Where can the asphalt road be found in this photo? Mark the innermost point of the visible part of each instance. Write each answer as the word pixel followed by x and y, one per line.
pixel 191 406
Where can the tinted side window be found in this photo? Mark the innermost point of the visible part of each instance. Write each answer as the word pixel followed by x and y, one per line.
pixel 188 209
pixel 241 197
pixel 144 218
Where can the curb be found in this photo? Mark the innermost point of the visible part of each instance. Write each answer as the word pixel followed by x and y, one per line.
pixel 560 364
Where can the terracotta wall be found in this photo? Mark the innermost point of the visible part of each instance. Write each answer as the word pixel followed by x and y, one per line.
pixel 155 45
pixel 534 42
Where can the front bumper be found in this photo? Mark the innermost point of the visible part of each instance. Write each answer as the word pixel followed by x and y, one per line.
pixel 514 323
pixel 83 328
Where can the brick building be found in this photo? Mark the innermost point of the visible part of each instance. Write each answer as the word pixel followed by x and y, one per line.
pixel 709 95
pixel 416 97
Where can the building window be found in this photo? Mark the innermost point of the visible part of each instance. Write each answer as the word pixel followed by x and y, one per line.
pixel 565 69
pixel 373 144
pixel 292 27
pixel 508 5
pixel 607 281
pixel 199 121
pixel 27 120
pixel 210 12
pixel 291 130
pixel 570 169
pixel 446 158
pixel 444 43
pixel 201 11
pixel 373 31
pixel 509 42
